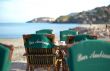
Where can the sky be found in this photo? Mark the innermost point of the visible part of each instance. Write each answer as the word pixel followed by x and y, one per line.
pixel 20 11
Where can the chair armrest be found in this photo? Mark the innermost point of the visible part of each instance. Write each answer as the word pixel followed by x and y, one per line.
pixel 94 36
pixel 11 49
pixel 24 54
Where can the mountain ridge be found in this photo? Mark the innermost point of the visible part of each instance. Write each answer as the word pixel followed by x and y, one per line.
pixel 97 15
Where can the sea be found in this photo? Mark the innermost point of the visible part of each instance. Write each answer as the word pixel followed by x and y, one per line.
pixel 17 30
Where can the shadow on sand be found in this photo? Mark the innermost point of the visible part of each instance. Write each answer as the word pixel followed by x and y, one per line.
pixel 18 66
pixel 21 66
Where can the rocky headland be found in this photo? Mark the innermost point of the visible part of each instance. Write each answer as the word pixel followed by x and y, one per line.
pixel 41 20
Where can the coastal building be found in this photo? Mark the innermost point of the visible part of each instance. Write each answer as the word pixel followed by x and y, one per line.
pixel 41 20
pixel 45 19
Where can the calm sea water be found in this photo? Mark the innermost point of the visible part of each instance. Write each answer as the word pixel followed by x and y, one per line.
pixel 16 30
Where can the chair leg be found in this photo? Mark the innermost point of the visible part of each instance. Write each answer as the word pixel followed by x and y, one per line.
pixel 31 68
pixel 48 68
pixel 55 68
pixel 27 68
pixel 58 65
pixel 64 66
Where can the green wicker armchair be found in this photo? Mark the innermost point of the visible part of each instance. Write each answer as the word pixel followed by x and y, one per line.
pixel 81 37
pixel 44 31
pixel 40 51
pixel 66 33
pixel 90 55
pixel 5 57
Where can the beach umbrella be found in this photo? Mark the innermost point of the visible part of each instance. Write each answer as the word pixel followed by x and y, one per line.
pixel 90 55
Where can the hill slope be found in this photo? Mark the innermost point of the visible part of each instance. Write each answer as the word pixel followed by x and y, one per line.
pixel 98 15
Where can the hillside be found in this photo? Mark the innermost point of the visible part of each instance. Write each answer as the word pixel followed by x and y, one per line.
pixel 99 15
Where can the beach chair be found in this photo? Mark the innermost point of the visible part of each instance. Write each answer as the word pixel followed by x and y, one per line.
pixel 66 33
pixel 44 31
pixel 63 38
pixel 51 37
pixel 71 40
pixel 5 57
pixel 40 51
pixel 80 37
pixel 90 55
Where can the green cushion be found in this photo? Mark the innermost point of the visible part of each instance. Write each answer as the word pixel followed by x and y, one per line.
pixel 44 31
pixel 81 37
pixel 38 41
pixel 64 34
pixel 90 55
pixel 5 61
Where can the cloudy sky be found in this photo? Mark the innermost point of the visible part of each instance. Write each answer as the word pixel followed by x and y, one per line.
pixel 24 10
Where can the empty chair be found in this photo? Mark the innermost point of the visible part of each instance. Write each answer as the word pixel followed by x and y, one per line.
pixel 48 33
pixel 63 38
pixel 5 57
pixel 51 37
pixel 80 37
pixel 40 51
pixel 90 55
pixel 64 34
pixel 44 31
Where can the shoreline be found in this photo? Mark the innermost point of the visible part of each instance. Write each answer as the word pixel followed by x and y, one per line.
pixel 91 28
